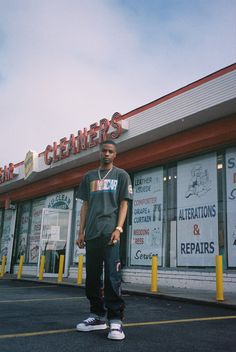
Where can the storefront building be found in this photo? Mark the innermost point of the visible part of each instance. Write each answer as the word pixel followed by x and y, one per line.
pixel 180 151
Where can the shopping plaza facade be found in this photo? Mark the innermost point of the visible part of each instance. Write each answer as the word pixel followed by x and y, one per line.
pixel 180 151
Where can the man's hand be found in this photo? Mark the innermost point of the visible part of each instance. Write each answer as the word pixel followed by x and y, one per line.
pixel 115 237
pixel 83 213
pixel 80 240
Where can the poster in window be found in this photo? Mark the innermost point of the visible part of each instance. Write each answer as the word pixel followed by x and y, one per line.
pixel 23 230
pixel 197 211
pixel 34 236
pixel 147 217
pixel 6 234
pixel 231 205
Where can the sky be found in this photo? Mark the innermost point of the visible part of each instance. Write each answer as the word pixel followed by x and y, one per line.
pixel 65 64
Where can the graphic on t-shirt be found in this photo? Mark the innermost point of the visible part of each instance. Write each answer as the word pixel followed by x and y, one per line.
pixel 107 185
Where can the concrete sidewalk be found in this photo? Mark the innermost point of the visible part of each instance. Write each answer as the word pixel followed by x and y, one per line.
pixel 200 296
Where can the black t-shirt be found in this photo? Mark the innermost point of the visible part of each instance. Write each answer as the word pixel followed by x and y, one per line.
pixel 104 197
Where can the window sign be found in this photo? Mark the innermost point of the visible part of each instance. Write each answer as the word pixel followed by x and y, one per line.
pixel 23 230
pixel 62 200
pixel 147 217
pixel 77 251
pixel 34 236
pixel 231 205
pixel 55 239
pixel 6 234
pixel 197 211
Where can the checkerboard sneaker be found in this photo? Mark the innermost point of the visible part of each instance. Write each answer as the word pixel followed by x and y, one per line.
pixel 116 332
pixel 91 324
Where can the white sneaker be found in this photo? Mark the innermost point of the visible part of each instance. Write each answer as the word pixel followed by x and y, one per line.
pixel 116 332
pixel 91 324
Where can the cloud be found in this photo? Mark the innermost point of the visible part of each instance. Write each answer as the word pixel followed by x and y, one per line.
pixel 66 64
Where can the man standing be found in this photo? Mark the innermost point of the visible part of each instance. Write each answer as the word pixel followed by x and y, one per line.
pixel 105 193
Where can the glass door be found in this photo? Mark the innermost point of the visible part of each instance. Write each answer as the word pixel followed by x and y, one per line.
pixel 55 239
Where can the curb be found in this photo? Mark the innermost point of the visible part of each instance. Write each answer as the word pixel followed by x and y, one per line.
pixel 137 292
pixel 183 298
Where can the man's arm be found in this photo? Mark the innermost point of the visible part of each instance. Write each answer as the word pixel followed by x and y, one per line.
pixel 121 219
pixel 83 214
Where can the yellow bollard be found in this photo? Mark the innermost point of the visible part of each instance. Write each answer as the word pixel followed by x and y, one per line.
pixel 61 268
pixel 219 278
pixel 154 273
pixel 20 267
pixel 3 266
pixel 41 268
pixel 80 270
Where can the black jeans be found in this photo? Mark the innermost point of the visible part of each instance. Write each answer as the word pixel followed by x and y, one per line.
pixel 98 252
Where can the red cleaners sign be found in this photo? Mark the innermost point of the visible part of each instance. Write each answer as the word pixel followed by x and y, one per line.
pixel 84 140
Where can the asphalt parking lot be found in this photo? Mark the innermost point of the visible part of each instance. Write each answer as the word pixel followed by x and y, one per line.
pixel 42 317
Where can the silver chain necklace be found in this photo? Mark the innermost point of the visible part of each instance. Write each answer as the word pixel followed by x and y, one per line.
pixel 99 174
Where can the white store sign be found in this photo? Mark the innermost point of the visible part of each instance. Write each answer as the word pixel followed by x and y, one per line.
pixel 231 205
pixel 147 217
pixel 197 211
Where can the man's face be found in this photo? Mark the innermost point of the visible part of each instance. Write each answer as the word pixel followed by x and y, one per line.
pixel 107 154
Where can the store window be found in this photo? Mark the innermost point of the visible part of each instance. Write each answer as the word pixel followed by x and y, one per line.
pixel 35 229
pixel 29 221
pixel 6 233
pixel 230 162
pixel 190 217
pixel 197 211
pixel 23 230
pixel 7 238
pixel 147 217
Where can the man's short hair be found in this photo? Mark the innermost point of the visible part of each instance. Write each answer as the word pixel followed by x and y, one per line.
pixel 108 141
